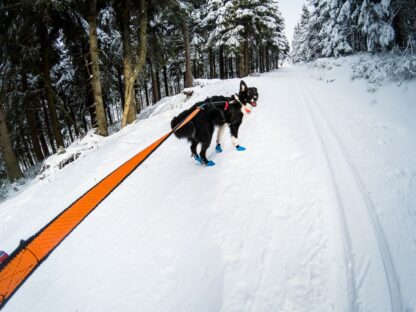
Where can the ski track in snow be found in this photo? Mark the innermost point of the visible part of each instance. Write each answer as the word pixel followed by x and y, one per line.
pixel 287 225
pixel 357 207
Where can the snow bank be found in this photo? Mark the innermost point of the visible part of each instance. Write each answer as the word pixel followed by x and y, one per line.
pixel 376 69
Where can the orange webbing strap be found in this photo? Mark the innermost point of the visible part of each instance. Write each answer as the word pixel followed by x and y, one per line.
pixel 31 253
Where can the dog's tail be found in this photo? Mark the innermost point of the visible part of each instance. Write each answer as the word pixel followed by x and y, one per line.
pixel 188 130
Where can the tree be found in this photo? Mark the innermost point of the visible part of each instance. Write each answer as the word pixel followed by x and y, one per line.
pixel 375 23
pixel 334 29
pixel 239 28
pixel 137 67
pixel 96 76
pixel 300 43
pixel 189 80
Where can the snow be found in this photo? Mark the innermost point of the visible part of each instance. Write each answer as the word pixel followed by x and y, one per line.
pixel 317 215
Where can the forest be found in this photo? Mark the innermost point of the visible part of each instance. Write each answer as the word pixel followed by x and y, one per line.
pixel 70 66
pixel 67 66
pixel 333 28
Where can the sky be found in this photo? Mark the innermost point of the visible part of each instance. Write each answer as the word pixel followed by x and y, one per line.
pixel 291 10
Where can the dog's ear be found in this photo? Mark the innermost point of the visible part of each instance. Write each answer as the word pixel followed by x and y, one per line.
pixel 243 86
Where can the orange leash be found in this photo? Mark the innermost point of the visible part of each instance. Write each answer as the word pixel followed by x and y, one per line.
pixel 31 253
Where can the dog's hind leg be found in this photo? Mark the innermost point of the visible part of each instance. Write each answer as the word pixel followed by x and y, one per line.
pixel 204 147
pixel 194 144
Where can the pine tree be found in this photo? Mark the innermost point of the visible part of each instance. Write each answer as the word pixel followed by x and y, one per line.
pixel 340 27
pixel 334 29
pixel 374 22
pixel 300 43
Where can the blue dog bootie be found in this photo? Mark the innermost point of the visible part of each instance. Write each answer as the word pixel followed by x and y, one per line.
pixel 210 163
pixel 240 148
pixel 201 162
pixel 218 148
pixel 198 159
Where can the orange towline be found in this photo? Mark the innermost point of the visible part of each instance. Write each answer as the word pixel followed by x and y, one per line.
pixel 31 253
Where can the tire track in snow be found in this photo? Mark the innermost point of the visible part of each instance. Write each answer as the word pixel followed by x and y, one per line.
pixel 347 179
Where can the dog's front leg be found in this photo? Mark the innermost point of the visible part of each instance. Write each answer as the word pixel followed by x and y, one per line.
pixel 221 130
pixel 234 137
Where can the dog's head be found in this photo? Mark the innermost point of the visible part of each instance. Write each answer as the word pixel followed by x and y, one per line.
pixel 248 96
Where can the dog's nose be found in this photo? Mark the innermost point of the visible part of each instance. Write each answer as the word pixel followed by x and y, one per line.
pixel 253 103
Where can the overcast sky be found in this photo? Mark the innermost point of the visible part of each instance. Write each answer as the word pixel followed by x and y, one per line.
pixel 291 10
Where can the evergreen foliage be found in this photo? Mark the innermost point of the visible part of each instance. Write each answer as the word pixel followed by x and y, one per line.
pixel 341 27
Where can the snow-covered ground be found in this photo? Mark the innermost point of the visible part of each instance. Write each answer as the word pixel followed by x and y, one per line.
pixel 319 214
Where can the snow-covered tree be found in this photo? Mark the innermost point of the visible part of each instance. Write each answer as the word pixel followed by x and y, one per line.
pixel 374 22
pixel 301 35
pixel 243 28
pixel 340 27
pixel 334 28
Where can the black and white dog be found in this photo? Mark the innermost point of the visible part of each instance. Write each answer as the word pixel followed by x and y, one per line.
pixel 216 111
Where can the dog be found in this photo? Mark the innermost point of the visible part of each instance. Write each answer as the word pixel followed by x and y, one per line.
pixel 216 111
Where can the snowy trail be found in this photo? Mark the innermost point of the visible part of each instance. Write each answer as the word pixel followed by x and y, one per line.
pixel 372 271
pixel 287 225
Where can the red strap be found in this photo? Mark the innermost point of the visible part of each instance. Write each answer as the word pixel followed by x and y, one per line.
pixel 226 105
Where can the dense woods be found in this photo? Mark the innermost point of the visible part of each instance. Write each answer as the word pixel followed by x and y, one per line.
pixel 67 67
pixel 341 27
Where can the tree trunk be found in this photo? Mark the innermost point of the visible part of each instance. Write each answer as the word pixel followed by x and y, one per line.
pixel 68 125
pixel 42 136
pixel 211 63
pixel 138 67
pixel 195 69
pixel 261 58
pixel 165 80
pixel 153 64
pixel 246 59
pixel 159 92
pixel 268 68
pixel 12 164
pixel 48 127
pixel 189 80
pixel 96 75
pixel 31 119
pixel 34 132
pixel 155 92
pixel 24 142
pixel 44 45
pixel 129 93
pixel 267 58
pixel 178 79
pixel 241 65
pixel 221 61
pixel 74 120
pixel 277 58
pixel 120 87
pixel 146 93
